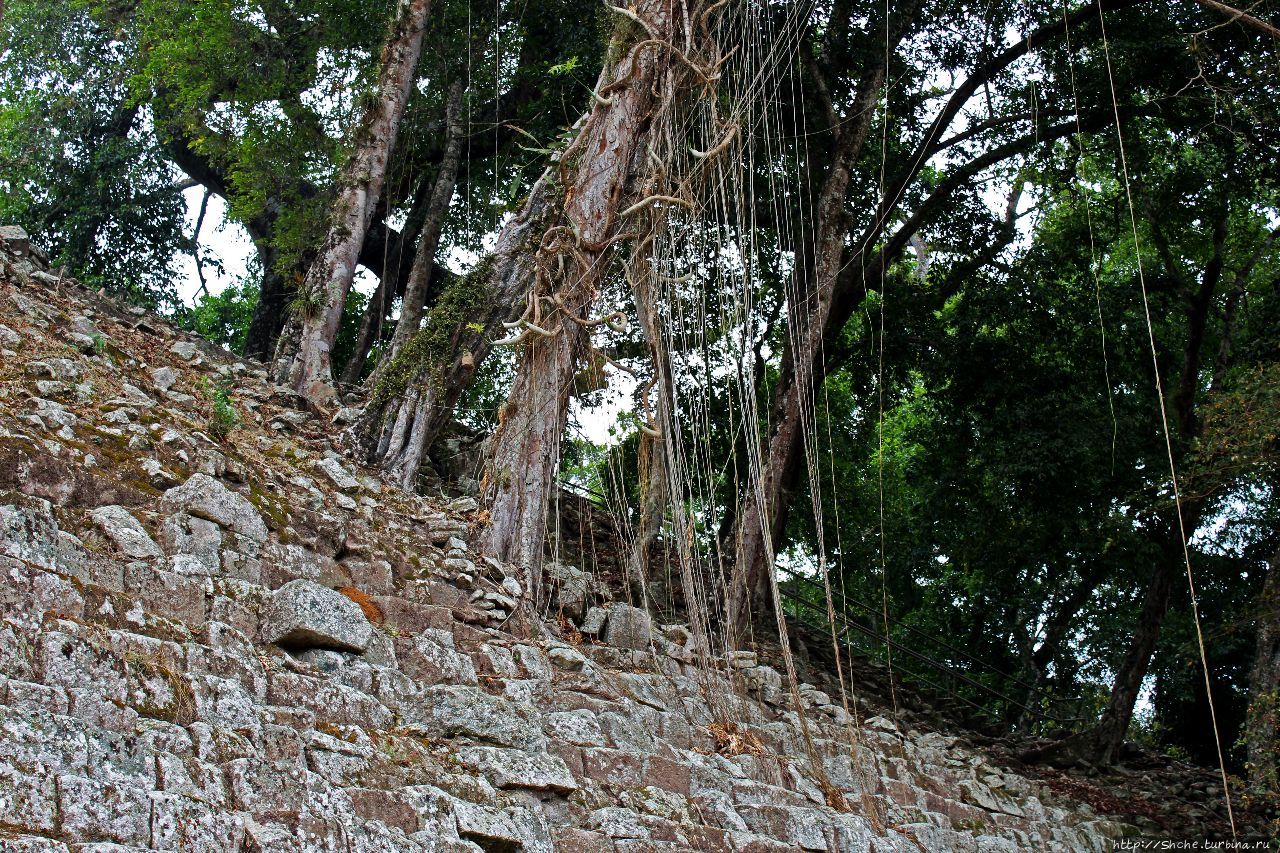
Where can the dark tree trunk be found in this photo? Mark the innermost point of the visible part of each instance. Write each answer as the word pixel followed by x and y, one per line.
pixel 274 293
pixel 758 533
pixel 1108 735
pixel 415 396
pixel 303 357
pixel 1262 731
pixel 375 314
pixel 415 294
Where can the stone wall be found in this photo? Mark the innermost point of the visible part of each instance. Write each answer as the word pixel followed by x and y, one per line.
pixel 245 643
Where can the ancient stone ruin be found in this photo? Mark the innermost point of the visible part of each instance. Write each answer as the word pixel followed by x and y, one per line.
pixel 238 640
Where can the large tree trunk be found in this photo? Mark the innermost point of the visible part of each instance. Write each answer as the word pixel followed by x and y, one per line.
pixel 526 448
pixel 303 360
pixel 415 294
pixel 758 533
pixel 269 314
pixel 415 394
pixel 1262 730
pixel 1103 742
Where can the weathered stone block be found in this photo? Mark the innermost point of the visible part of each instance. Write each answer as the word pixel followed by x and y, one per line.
pixel 431 657
pixel 615 767
pixel 513 768
pixel 93 810
pixel 29 533
pixel 303 614
pixel 578 727
pixel 260 787
pixel 628 627
pixel 470 712
pixel 205 497
pixel 28 801
pixel 167 593
pixel 331 703
pixel 126 532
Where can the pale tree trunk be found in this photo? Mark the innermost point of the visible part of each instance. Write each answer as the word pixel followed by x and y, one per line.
pixel 416 392
pixel 415 293
pixel 1262 730
pixel 526 448
pixel 303 357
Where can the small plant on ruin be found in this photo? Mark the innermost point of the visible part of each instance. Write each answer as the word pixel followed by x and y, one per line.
pixel 223 418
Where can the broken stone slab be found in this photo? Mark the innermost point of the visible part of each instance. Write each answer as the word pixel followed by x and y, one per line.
pixel 305 614
pixel 164 377
pixel 593 622
pixel 126 532
pixel 339 475
pixel 9 338
pixel 28 532
pixel 184 350
pixel 567 658
pixel 578 727
pixel 628 627
pixel 61 369
pixel 205 497
pixel 464 504
pixel 466 711
pixel 573 588
pixel 490 828
pixel 514 768
pixel 15 239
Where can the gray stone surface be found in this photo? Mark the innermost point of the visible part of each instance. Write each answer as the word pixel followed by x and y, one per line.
pixel 338 475
pixel 304 614
pixel 126 532
pixel 205 497
pixel 164 378
pixel 628 627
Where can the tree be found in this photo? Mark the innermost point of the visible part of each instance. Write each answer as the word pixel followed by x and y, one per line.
pixel 304 362
pixel 79 168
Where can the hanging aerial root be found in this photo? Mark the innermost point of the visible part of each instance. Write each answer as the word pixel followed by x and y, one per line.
pixel 616 321
pixel 707 77
pixel 538 330
pixel 708 12
pixel 718 148
pixel 653 199
pixel 609 361
pixel 627 13
pixel 511 341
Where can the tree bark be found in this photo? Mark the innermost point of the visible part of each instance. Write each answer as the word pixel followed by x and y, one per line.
pixel 273 299
pixel 303 358
pixel 375 314
pixel 415 293
pixel 1262 729
pixel 1108 735
pixel 415 396
pixel 526 448
pixel 758 533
